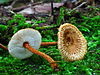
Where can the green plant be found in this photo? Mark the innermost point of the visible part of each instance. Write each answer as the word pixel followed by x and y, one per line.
pixel 61 15
pixel 18 22
pixel 3 27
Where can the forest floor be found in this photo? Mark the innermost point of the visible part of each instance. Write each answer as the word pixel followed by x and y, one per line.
pixel 85 18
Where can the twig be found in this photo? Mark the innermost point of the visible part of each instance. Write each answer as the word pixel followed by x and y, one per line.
pixel 23 7
pixel 78 7
pixel 52 13
pixel 48 28
pixel 12 4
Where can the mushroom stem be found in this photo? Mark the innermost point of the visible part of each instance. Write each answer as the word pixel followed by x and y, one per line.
pixel 3 47
pixel 48 58
pixel 42 44
pixel 48 43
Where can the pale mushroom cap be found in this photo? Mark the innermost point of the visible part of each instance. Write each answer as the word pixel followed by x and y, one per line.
pixel 15 45
pixel 71 42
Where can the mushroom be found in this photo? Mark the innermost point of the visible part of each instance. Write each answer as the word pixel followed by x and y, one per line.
pixel 71 42
pixel 26 42
pixel 15 45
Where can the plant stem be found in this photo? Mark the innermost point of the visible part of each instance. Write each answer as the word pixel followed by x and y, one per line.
pixel 3 47
pixel 48 58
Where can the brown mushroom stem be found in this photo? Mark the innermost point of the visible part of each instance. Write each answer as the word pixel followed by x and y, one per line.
pixel 48 43
pixel 42 44
pixel 3 47
pixel 48 58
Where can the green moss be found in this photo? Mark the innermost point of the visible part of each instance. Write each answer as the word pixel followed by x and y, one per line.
pixel 89 26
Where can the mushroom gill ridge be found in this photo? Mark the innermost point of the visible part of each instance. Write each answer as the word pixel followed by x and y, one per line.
pixel 71 42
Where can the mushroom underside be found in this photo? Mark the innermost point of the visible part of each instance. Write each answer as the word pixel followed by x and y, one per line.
pixel 15 45
pixel 71 43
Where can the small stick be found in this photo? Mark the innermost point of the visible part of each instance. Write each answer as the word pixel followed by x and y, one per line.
pixel 23 7
pixel 3 47
pixel 77 7
pixel 12 4
pixel 52 13
pixel 80 5
pixel 48 58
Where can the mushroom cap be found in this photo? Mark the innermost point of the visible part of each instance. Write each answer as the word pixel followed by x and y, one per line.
pixel 15 46
pixel 71 42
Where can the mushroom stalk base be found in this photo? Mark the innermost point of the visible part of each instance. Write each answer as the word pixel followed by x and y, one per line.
pixel 48 58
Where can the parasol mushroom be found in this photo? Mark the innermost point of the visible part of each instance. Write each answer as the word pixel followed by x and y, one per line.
pixel 71 42
pixel 26 42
